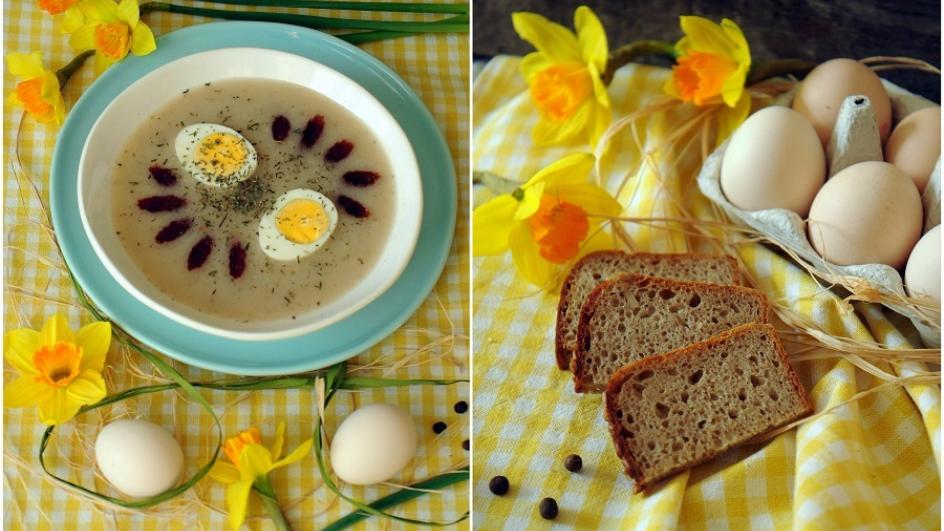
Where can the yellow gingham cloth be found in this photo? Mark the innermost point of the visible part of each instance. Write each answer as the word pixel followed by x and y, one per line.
pixel 872 464
pixel 436 67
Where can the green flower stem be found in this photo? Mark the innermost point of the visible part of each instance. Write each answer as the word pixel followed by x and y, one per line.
pixel 770 68
pixel 456 24
pixel 397 7
pixel 65 73
pixel 264 489
pixel 632 51
pixel 401 496
pixel 357 382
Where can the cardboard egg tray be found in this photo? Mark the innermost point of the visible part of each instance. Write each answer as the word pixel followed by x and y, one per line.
pixel 855 139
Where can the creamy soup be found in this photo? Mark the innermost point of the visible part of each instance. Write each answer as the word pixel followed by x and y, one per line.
pixel 188 207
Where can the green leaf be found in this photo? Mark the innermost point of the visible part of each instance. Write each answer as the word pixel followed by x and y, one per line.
pixel 404 495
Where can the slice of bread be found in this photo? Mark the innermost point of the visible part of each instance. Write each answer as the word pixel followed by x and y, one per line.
pixel 597 267
pixel 676 410
pixel 632 317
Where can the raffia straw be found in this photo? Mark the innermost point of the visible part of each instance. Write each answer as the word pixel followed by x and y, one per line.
pixel 884 62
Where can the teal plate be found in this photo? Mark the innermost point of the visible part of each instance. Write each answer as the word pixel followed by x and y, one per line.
pixel 314 350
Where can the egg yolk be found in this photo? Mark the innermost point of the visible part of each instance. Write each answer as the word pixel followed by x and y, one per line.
pixel 302 221
pixel 220 154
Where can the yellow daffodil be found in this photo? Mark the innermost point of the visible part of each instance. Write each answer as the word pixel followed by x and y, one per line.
pixel 38 92
pixel 57 7
pixel 563 76
pixel 249 468
pixel 112 30
pixel 60 370
pixel 547 221
pixel 712 66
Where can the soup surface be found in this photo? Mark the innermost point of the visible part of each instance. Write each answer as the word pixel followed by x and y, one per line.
pixel 197 239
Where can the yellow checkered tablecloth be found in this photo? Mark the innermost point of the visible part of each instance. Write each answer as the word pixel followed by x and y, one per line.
pixel 436 68
pixel 872 464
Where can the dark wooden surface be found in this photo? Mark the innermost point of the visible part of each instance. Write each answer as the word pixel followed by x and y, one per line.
pixel 805 29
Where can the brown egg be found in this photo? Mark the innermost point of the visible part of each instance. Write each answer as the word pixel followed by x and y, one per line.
pixel 774 160
pixel 826 86
pixel 869 213
pixel 915 145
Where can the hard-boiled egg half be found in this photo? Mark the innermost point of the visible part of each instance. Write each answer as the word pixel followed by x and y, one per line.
pixel 298 224
pixel 215 154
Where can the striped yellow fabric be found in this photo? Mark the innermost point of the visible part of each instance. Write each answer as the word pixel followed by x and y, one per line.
pixel 434 339
pixel 872 464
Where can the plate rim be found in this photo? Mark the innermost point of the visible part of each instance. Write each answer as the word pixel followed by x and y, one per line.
pixel 299 41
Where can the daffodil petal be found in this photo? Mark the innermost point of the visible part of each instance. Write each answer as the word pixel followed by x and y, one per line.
pixel 87 388
pixel 24 65
pixel 94 338
pixel 56 329
pixel 530 202
pixel 142 40
pixel 591 37
pixel 18 348
pixel 237 500
pixel 533 63
pixel 128 12
pixel 527 258
pixel 557 42
pixel 102 62
pixel 573 169
pixel 491 224
pixel 704 35
pixel 72 20
pixel 601 116
pixel 279 440
pixel 100 10
pixel 296 455
pixel 548 132
pixel 25 391
pixel 730 119
pixel 742 49
pixel 254 460
pixel 224 472
pixel 58 407
pixel 83 38
pixel 590 197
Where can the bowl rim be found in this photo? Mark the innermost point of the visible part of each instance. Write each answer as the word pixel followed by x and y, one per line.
pixel 395 270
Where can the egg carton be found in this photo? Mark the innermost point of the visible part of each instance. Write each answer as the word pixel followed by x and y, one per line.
pixel 855 139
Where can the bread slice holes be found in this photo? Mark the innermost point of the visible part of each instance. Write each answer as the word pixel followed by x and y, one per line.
pixel 712 397
pixel 626 434
pixel 639 388
pixel 648 311
pixel 695 377
pixel 644 375
pixel 739 371
pixel 597 276
pixel 672 371
pixel 666 294
pixel 651 445
pixel 676 446
pixel 662 410
pixel 752 358
pixel 684 397
pixel 742 395
pixel 619 413
pixel 621 328
pixel 630 419
pixel 714 320
pixel 694 301
pixel 701 424
pixel 756 381
pixel 732 414
pixel 773 395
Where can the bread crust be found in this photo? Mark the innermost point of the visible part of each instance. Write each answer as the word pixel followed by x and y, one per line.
pixel 564 355
pixel 615 385
pixel 582 381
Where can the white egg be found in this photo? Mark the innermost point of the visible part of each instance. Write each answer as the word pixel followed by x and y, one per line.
pixel 298 224
pixel 138 457
pixel 923 272
pixel 215 155
pixel 373 444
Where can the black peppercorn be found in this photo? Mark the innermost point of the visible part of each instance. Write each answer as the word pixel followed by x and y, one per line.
pixel 465 445
pixel 573 462
pixel 498 485
pixel 461 407
pixel 548 508
pixel 439 427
